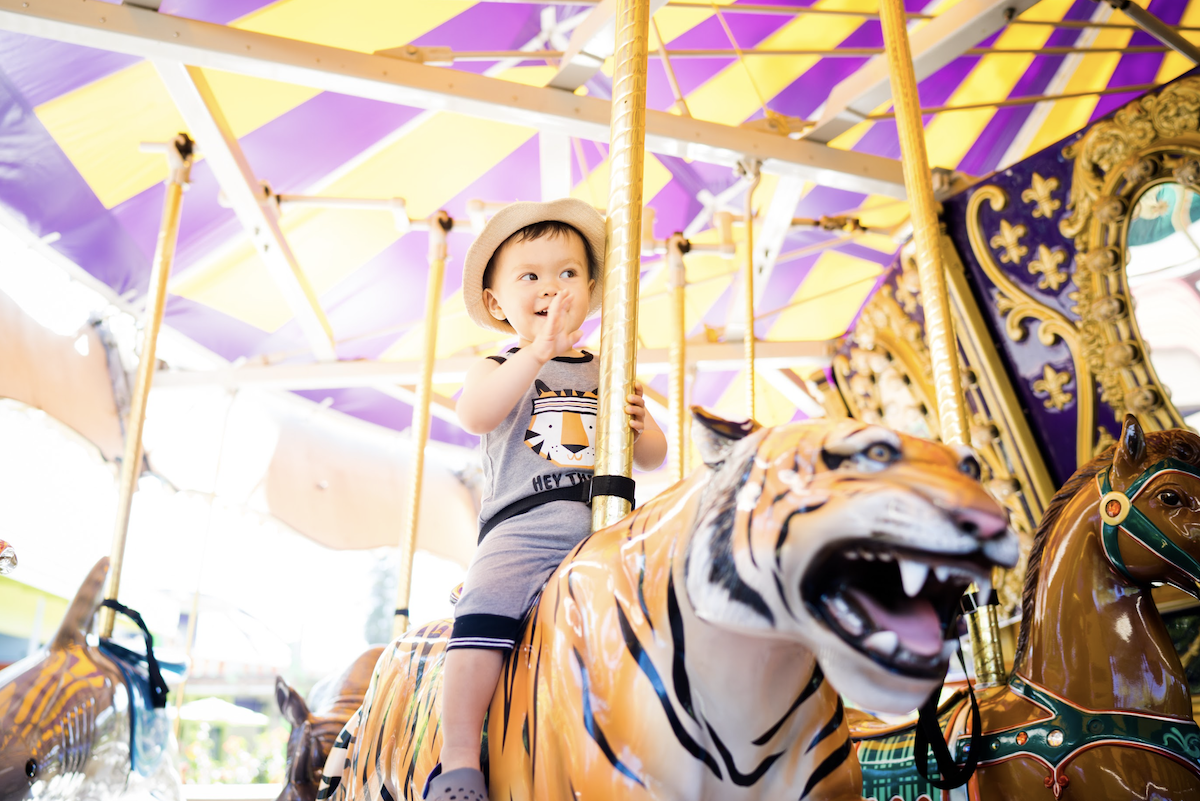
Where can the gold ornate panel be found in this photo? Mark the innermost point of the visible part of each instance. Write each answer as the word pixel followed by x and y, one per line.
pixel 1153 140
pixel 885 374
pixel 1020 310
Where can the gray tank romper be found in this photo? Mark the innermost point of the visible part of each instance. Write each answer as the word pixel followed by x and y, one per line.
pixel 546 442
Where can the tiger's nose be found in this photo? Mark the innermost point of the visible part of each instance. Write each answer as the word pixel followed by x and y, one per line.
pixel 980 523
pixel 574 447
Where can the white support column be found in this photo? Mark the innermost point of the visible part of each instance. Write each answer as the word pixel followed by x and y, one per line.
pixel 135 31
pixel 554 160
pixel 257 212
pixel 934 45
pixel 769 242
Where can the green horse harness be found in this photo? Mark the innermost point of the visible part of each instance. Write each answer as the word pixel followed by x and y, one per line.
pixel 1071 729
pixel 1119 514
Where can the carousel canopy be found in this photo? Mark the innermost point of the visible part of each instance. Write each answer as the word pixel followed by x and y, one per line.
pixel 461 106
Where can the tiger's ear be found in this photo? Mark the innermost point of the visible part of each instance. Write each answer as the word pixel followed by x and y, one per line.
pixel 715 436
pixel 1130 455
pixel 541 387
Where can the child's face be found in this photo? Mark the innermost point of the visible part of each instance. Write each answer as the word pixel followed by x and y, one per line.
pixel 527 276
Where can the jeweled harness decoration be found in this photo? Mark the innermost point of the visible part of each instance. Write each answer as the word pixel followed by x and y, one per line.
pixel 1119 514
pixel 1071 729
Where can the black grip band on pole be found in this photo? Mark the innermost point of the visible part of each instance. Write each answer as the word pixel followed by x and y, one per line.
pixel 400 612
pixel 617 486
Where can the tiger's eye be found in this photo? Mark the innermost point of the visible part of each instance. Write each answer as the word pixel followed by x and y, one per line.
pixel 31 768
pixel 881 452
pixel 970 467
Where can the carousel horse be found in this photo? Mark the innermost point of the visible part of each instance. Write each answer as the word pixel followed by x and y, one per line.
pixel 332 701
pixel 1098 706
pixel 8 558
pixel 85 722
pixel 697 648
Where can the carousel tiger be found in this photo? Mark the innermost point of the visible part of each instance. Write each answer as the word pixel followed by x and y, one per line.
pixel 697 648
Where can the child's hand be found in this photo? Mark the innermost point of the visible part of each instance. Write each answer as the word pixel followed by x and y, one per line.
pixel 553 339
pixel 636 409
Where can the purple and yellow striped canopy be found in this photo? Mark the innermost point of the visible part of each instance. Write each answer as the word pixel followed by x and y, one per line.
pixel 72 117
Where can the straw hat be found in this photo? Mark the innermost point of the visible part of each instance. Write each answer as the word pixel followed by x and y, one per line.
pixel 508 221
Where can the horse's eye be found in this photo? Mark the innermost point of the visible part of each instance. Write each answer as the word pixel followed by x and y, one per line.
pixel 1170 498
pixel 882 452
pixel 969 467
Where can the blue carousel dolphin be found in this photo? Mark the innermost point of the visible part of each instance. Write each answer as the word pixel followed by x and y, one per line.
pixel 82 720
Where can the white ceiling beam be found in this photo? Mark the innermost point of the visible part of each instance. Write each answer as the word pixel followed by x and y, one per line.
pixel 792 387
pixel 1058 85
pixel 257 212
pixel 592 42
pixel 934 45
pixel 440 406
pixel 135 31
pixel 452 370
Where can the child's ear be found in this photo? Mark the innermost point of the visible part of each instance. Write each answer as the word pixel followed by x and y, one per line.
pixel 493 305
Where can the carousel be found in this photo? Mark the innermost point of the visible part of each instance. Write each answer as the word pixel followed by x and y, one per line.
pixel 907 287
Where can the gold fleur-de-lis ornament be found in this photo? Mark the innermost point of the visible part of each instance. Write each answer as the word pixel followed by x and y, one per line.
pixel 1041 191
pixel 1051 383
pixel 1046 263
pixel 1009 238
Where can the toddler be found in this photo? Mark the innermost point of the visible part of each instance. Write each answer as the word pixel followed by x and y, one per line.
pixel 532 272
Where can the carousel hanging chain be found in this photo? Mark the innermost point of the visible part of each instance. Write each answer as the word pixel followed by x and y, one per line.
pixel 440 224
pixel 622 265
pixel 180 153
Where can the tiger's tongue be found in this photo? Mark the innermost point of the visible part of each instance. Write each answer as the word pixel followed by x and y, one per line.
pixel 914 620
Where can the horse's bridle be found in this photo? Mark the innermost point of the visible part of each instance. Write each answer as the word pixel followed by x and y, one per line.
pixel 1119 514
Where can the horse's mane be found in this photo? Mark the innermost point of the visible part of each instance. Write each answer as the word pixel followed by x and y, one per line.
pixel 1177 443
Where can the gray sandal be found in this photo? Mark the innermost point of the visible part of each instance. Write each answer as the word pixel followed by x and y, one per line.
pixel 462 784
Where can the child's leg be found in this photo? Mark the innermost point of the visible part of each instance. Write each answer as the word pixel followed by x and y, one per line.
pixel 468 684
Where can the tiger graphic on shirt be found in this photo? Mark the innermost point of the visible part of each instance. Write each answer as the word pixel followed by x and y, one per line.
pixel 562 428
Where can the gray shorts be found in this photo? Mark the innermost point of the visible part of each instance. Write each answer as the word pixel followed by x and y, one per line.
pixel 509 569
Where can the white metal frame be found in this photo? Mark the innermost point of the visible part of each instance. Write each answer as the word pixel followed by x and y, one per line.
pixel 386 374
pixel 136 31
pixel 257 211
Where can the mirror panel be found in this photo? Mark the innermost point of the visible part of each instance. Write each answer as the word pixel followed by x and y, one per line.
pixel 1163 271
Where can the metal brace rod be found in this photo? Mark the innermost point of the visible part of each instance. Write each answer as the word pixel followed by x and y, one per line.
pixel 1157 28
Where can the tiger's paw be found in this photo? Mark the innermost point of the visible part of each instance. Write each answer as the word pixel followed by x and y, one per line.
pixel 462 784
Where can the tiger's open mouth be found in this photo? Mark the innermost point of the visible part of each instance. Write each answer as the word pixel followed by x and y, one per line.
pixel 893 604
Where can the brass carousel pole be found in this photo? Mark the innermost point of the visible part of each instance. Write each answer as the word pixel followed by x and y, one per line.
pixel 749 168
pixel 677 279
pixel 618 331
pixel 179 159
pixel 943 348
pixel 439 225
